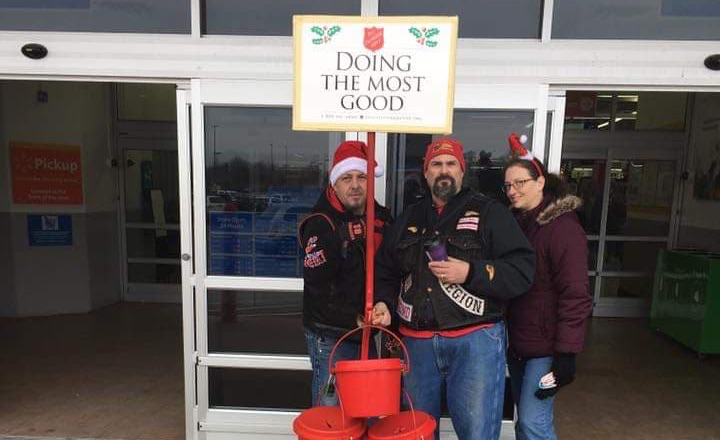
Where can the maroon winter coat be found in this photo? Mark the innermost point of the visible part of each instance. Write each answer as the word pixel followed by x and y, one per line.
pixel 552 317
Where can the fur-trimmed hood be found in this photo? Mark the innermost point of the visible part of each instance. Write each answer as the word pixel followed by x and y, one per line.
pixel 557 208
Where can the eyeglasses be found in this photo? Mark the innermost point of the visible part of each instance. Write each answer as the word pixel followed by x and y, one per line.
pixel 518 184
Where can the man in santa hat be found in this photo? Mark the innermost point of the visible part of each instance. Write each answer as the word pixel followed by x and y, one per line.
pixel 458 257
pixel 333 239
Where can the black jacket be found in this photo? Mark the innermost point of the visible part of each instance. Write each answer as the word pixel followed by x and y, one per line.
pixel 333 241
pixel 475 229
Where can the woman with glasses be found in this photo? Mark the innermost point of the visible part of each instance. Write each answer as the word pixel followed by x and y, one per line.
pixel 546 325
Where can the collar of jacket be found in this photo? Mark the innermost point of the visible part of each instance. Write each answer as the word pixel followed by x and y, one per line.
pixel 456 203
pixel 558 207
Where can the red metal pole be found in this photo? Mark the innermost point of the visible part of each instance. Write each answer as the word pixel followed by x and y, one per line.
pixel 369 244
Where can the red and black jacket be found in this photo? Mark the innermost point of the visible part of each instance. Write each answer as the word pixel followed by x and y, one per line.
pixel 333 241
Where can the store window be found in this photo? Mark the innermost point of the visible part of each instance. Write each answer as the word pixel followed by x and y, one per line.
pixel 483 133
pixel 637 19
pixel 255 322
pixel 146 102
pixel 625 111
pixel 487 19
pixel 141 16
pixel 259 17
pixel 259 389
pixel 262 180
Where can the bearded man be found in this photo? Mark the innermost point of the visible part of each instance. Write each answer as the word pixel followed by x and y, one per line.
pixel 456 257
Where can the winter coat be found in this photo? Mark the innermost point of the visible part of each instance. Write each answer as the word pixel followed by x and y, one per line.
pixel 552 317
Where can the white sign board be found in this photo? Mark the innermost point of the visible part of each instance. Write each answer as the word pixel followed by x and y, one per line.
pixel 387 74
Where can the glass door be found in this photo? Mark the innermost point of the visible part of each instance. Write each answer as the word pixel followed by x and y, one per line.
pixel 628 197
pixel 253 181
pixel 151 219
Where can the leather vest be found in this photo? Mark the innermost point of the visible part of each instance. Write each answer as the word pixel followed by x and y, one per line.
pixel 425 303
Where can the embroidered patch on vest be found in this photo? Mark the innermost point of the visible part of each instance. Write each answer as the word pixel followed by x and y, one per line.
pixel 490 270
pixel 470 223
pixel 407 283
pixel 311 243
pixel 412 229
pixel 469 213
pixel 464 299
pixel 315 259
pixel 404 310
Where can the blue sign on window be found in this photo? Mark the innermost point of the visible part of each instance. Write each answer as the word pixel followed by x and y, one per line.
pixel 276 267
pixel 49 230
pixel 283 245
pixel 231 244
pixel 231 222
pixel 231 265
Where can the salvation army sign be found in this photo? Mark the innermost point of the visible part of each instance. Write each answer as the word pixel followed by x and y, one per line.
pixel 46 174
pixel 374 73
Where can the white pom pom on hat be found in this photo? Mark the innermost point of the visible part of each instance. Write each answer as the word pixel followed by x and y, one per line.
pixel 351 156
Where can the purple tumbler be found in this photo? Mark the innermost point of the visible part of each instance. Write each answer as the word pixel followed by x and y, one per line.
pixel 436 251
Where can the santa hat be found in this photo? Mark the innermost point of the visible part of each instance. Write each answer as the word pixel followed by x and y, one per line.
pixel 351 156
pixel 444 145
pixel 518 151
pixel 516 147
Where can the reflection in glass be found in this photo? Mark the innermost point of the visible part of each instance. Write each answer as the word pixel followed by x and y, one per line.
pixel 641 193
pixel 585 179
pixel 625 111
pixel 151 186
pixel 484 135
pixel 146 102
pixel 262 180
pixel 626 287
pixel 260 17
pixel 637 19
pixel 146 16
pixel 632 256
pixel 477 19
pixel 592 254
pixel 587 110
pixel 251 388
pixel 255 322
pixel 154 273
pixel 153 243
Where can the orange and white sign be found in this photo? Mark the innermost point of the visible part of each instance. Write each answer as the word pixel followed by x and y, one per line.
pixel 386 74
pixel 46 174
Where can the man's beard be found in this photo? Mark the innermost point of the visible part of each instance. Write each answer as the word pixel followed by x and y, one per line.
pixel 444 192
pixel 357 207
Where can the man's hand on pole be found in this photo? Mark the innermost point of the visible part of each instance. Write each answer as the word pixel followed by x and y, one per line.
pixel 381 315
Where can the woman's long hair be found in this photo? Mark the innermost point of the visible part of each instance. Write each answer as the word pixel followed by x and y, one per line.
pixel 555 186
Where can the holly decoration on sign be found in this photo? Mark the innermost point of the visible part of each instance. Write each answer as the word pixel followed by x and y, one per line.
pixel 424 35
pixel 325 33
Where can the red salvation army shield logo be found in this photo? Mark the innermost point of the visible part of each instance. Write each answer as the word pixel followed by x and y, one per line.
pixel 374 38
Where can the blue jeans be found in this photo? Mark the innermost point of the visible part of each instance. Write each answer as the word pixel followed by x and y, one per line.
pixel 535 416
pixel 319 347
pixel 470 370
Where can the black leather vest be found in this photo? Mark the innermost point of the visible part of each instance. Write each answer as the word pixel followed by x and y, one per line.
pixel 424 302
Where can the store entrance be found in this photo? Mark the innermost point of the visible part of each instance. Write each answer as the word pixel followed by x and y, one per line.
pixel 85 353
pixel 638 159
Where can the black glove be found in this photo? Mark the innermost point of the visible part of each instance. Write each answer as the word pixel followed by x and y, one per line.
pixel 563 368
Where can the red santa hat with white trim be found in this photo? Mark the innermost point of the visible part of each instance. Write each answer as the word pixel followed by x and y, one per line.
pixel 516 147
pixel 351 156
